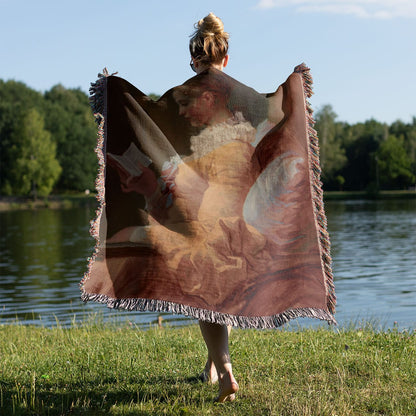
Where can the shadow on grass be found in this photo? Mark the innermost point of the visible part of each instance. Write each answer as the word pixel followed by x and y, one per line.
pixel 98 397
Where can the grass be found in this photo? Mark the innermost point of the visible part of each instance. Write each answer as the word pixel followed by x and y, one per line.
pixel 108 369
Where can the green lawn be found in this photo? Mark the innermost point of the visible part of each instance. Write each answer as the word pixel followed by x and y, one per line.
pixel 109 369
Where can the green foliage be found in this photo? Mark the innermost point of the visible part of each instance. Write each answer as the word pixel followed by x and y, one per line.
pixel 408 133
pixel 153 96
pixel 16 99
pixel 18 93
pixel 71 134
pixel 340 180
pixel 394 163
pixel 360 172
pixel 71 123
pixel 365 156
pixel 332 154
pixel 35 168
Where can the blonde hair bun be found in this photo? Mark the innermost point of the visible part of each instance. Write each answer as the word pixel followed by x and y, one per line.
pixel 209 42
pixel 211 25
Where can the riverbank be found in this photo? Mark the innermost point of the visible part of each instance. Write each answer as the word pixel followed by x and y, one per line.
pixel 348 195
pixel 104 369
pixel 64 201
pixel 11 203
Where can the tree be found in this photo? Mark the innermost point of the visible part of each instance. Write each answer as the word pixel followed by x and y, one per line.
pixel 332 154
pixel 362 141
pixel 71 123
pixel 394 164
pixel 408 133
pixel 35 168
pixel 16 99
pixel 153 96
pixel 8 115
pixel 15 92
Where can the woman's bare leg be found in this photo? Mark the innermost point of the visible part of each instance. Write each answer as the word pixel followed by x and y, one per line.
pixel 216 339
pixel 209 374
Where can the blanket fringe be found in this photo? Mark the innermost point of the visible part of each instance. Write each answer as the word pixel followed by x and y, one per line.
pixel 316 188
pixel 245 322
pixel 98 106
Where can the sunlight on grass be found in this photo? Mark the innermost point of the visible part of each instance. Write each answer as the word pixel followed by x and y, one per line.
pixel 118 369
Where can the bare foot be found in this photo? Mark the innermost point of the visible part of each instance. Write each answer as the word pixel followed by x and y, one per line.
pixel 209 374
pixel 228 388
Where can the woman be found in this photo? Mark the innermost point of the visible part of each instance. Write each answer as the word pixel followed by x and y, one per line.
pixel 203 105
pixel 209 48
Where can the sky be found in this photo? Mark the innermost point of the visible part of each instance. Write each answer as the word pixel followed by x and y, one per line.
pixel 362 53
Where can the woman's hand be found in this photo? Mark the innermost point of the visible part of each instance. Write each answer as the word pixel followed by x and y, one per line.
pixel 145 184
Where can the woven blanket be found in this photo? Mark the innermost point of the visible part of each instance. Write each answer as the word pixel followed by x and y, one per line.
pixel 210 202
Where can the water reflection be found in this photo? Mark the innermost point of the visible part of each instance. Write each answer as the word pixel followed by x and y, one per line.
pixel 374 260
pixel 43 257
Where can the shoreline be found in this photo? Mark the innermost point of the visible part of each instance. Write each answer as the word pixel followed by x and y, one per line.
pixel 63 201
pixel 364 195
pixel 66 201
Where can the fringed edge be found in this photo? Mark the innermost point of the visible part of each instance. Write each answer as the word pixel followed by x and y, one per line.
pixel 245 322
pixel 97 93
pixel 316 188
pixel 98 97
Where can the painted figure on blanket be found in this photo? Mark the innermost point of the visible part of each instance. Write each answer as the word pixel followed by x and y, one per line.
pixel 215 215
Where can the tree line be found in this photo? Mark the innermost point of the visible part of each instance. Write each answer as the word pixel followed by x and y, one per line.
pixel 367 156
pixel 47 143
pixel 47 140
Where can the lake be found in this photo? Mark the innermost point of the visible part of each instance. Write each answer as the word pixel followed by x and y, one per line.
pixel 43 256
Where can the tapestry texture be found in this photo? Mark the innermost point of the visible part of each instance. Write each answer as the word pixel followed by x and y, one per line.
pixel 210 202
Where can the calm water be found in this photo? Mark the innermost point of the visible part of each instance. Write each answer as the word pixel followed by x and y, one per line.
pixel 43 257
